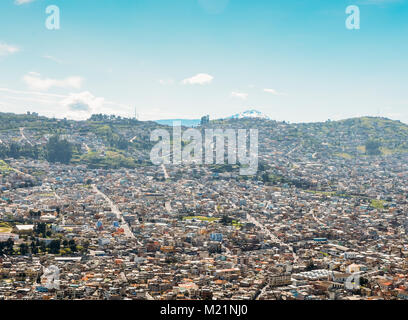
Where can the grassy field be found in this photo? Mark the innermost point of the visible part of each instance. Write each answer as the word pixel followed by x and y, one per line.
pixel 378 204
pixel 209 219
pixel 5 227
pixel 344 155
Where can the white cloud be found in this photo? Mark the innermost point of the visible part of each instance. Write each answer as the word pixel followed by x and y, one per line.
pixel 166 82
pixel 201 78
pixel 82 105
pixel 274 92
pixel 20 2
pixel 77 106
pixel 36 82
pixel 87 99
pixel 6 49
pixel 240 95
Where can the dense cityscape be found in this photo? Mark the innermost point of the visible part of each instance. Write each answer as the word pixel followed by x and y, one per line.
pixel 320 220
pixel 203 158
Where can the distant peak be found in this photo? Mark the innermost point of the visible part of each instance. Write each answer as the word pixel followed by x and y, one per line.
pixel 249 114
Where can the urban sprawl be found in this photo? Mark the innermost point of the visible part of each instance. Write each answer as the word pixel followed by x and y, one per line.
pixel 324 218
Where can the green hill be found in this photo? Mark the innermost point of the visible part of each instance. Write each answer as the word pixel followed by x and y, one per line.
pixel 113 142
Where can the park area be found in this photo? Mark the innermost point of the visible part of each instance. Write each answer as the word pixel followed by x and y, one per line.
pixel 5 227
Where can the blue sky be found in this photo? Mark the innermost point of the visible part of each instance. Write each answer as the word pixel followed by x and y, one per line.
pixel 293 60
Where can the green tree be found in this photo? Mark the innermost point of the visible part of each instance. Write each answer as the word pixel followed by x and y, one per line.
pixel 72 245
pixel 55 246
pixel 43 247
pixel 23 249
pixel 373 147
pixel 58 150
pixel 41 228
pixel 225 220
pixel 34 247
pixel 9 247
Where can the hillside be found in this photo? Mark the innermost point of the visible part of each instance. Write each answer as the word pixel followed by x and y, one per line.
pixel 100 142
pixel 113 142
pixel 345 138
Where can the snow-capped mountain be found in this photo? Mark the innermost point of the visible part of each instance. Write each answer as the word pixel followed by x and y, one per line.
pixel 250 114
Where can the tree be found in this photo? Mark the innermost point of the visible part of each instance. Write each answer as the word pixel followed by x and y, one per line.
pixel 55 246
pixel 43 247
pixel 225 220
pixel 23 249
pixel 9 247
pixel 58 150
pixel 86 245
pixel 41 228
pixel 310 266
pixel 72 245
pixel 34 247
pixel 373 147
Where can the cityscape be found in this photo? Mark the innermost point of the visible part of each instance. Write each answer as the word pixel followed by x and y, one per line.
pixel 199 154
pixel 323 218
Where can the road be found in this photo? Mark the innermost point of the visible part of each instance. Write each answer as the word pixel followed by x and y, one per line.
pixel 23 137
pixel 133 139
pixel 149 296
pixel 115 210
pixel 271 235
pixel 263 290
pixel 86 147
pixel 294 149
pixel 166 175
pixel 316 219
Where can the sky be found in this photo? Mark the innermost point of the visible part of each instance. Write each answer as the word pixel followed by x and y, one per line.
pixel 292 60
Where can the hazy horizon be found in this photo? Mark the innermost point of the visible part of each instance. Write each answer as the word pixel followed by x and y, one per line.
pixel 198 119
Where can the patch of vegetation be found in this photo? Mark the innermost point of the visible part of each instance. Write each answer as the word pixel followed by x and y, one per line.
pixel 373 147
pixel 110 159
pixel 201 218
pixel 378 204
pixel 5 169
pixel 344 155
pixel 5 227
pixel 59 150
